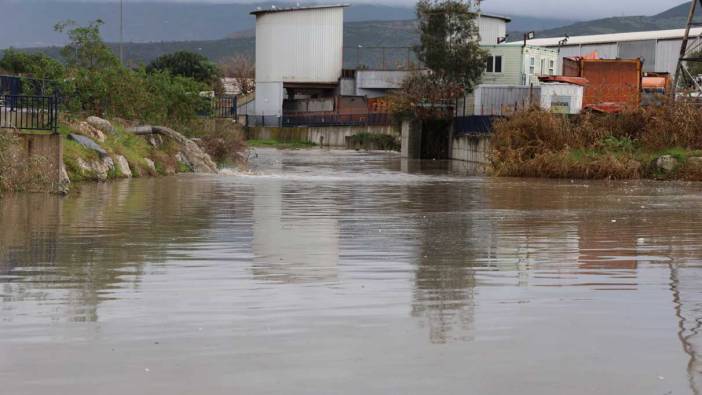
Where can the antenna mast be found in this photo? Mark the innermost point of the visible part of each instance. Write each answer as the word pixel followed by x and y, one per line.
pixel 681 68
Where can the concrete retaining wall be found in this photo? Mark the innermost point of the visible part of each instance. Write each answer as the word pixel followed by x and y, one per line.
pixel 50 148
pixel 330 136
pixel 471 148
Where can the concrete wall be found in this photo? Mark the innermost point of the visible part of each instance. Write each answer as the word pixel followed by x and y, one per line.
pixel 471 148
pixel 411 139
pixel 49 147
pixel 330 136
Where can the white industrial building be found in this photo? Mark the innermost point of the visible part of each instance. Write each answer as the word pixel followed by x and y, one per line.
pixel 658 49
pixel 296 48
pixel 299 55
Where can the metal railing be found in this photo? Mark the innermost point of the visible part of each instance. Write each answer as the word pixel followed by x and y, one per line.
pixel 474 124
pixel 368 119
pixel 29 112
pixel 224 106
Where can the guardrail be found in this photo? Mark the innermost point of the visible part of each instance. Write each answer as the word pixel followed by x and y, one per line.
pixel 29 112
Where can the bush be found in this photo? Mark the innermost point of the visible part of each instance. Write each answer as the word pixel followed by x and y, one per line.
pixel 17 171
pixel 373 141
pixel 186 64
pixel 541 144
pixel 224 147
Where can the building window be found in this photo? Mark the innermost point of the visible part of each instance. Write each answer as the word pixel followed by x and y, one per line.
pixel 552 67
pixel 532 65
pixel 543 67
pixel 494 64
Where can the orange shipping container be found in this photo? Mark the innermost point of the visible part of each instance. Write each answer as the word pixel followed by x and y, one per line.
pixel 610 81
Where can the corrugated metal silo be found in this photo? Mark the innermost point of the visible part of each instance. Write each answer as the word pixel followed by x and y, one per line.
pixel 303 45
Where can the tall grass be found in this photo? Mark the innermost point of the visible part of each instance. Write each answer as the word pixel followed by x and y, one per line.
pixel 536 143
pixel 19 172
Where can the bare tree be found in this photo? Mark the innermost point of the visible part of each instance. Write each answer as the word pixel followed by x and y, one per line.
pixel 242 69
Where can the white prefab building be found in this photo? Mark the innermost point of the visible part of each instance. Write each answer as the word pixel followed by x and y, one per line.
pixel 659 49
pixel 518 64
pixel 296 48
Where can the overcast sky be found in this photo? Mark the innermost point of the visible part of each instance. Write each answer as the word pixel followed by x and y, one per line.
pixel 566 9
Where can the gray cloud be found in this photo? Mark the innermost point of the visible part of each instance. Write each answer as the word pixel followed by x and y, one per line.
pixel 562 9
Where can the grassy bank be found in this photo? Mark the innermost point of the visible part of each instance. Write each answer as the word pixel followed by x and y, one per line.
pixel 292 144
pixel 662 142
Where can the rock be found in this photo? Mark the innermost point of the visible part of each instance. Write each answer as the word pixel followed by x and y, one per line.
pixel 64 181
pixel 88 143
pixel 666 163
pixel 181 158
pixel 201 162
pixel 150 164
pixel 86 130
pixel 156 140
pixel 98 168
pixel 695 162
pixel 101 124
pixel 123 166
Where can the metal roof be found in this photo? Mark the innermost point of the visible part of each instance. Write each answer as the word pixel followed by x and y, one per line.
pixel 290 9
pixel 613 38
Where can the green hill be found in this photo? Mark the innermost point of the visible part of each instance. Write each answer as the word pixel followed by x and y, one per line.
pixel 674 18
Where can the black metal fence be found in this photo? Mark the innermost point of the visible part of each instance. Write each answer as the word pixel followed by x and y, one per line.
pixel 369 119
pixel 29 112
pixel 15 86
pixel 224 107
pixel 474 124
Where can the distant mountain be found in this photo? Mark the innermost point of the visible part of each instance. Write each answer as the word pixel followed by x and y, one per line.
pixel 364 34
pixel 29 23
pixel 674 18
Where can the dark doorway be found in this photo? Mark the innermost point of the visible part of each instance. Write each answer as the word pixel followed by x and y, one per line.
pixel 436 134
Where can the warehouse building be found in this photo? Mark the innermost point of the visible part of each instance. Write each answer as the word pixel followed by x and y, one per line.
pixel 659 49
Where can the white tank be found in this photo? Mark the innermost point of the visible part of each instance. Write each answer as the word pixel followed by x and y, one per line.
pixel 301 45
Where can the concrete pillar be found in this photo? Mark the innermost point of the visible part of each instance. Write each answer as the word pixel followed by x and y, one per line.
pixel 411 139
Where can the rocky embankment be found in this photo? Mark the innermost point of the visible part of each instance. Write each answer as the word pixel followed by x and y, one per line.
pixel 97 150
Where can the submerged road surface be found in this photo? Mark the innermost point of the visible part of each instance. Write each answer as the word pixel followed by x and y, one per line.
pixel 352 273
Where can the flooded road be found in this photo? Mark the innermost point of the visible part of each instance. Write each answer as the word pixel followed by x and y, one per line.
pixel 352 273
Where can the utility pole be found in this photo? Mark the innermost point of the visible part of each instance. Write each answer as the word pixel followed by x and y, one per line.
pixel 121 31
pixel 681 67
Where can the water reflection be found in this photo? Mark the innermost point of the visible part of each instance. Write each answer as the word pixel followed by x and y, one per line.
pixel 81 248
pixel 329 263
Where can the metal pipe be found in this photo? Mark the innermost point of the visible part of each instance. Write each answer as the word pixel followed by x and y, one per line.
pixel 121 31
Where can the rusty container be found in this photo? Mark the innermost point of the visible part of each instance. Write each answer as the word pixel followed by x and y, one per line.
pixel 612 81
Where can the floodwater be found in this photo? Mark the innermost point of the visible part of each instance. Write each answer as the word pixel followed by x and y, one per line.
pixel 325 272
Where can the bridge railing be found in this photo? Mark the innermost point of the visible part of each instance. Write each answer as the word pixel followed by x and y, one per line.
pixel 29 112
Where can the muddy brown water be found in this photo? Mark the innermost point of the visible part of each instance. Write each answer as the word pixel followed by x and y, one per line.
pixel 352 273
